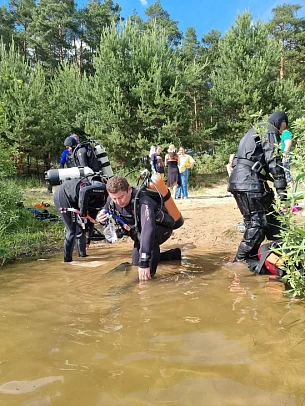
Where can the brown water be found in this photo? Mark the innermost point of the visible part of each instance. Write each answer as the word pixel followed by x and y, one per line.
pixel 200 333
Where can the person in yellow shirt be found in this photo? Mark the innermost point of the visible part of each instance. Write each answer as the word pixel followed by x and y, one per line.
pixel 186 162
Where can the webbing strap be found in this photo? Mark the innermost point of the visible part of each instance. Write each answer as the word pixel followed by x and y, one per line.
pixel 167 196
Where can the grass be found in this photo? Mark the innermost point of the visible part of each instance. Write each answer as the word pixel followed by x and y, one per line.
pixel 22 234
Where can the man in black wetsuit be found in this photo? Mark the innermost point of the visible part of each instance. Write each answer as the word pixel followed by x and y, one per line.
pixel 72 159
pixel 257 161
pixel 78 202
pixel 151 232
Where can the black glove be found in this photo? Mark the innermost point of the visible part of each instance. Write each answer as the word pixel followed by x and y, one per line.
pixel 282 194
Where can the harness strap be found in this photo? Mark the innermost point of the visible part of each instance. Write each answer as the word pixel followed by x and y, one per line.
pixel 167 196
pixel 245 161
pixel 76 211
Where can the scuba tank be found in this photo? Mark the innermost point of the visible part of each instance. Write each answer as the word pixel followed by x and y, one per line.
pixel 156 183
pixel 102 157
pixel 56 176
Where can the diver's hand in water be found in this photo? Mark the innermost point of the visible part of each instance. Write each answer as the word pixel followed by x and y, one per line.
pixel 102 216
pixel 144 274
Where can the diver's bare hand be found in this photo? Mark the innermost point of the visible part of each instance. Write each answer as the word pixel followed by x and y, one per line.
pixel 144 274
pixel 102 216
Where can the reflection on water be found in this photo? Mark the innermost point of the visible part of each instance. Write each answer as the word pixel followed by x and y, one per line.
pixel 200 333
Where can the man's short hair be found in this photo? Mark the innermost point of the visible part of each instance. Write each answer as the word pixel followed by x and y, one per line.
pixel 117 184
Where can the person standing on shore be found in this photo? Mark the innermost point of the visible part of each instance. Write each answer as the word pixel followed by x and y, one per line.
pixel 157 164
pixel 172 161
pixel 186 162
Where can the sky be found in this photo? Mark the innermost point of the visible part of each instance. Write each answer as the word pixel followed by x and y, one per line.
pixel 205 15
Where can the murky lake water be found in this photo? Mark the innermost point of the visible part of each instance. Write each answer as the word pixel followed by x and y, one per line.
pixel 200 333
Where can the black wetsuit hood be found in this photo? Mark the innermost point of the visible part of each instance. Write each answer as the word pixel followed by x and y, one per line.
pixel 276 119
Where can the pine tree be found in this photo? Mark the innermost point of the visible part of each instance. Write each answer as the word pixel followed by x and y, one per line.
pixel 68 102
pixel 90 23
pixel 22 14
pixel 159 17
pixel 196 77
pixel 247 73
pixel 139 91
pixel 6 25
pixel 51 31
pixel 22 92
pixel 289 31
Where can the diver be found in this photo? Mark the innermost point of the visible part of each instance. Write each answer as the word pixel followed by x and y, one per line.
pixel 255 163
pixel 78 202
pixel 149 226
pixel 76 155
pixel 66 157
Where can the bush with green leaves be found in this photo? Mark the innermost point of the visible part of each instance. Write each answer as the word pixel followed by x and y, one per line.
pixel 292 235
pixel 9 215
pixel 209 164
pixel 298 129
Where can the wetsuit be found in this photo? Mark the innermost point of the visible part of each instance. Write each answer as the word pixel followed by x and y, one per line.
pixel 88 199
pixel 256 162
pixel 81 158
pixel 147 241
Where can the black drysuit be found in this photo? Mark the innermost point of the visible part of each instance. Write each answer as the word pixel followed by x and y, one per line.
pixel 88 198
pixel 77 158
pixel 255 162
pixel 147 241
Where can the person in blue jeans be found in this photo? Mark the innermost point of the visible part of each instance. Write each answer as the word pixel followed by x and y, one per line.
pixel 186 162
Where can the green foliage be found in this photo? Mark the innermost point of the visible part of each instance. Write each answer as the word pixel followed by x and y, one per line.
pixel 7 164
pixel 293 232
pixel 299 144
pixel 20 233
pixel 247 75
pixel 138 92
pixel 149 84
pixel 25 112
pixel 292 248
pixel 289 31
pixel 159 17
pixel 21 12
pixel 9 216
pixel 50 32
pixel 210 164
pixel 68 99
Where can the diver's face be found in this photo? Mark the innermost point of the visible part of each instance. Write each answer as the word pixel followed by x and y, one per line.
pixel 121 198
